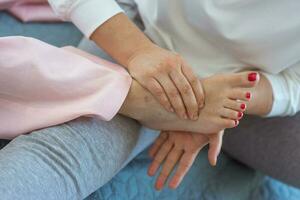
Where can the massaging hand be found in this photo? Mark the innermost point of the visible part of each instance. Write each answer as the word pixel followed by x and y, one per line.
pixel 180 148
pixel 171 81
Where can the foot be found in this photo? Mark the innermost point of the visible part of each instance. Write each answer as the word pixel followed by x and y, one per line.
pixel 226 97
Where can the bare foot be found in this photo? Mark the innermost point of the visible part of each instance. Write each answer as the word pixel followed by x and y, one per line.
pixel 225 100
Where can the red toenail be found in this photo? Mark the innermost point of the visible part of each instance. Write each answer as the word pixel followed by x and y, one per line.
pixel 243 106
pixel 240 115
pixel 252 77
pixel 236 122
pixel 248 95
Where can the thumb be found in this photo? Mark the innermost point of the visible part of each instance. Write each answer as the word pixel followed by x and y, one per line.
pixel 215 144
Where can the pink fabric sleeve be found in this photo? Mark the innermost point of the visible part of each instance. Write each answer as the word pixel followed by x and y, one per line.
pixel 30 10
pixel 42 85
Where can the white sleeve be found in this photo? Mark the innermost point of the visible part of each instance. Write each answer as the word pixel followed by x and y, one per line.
pixel 286 91
pixel 87 15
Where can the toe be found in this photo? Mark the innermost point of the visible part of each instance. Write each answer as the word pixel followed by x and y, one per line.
pixel 231 114
pixel 235 105
pixel 240 94
pixel 244 79
pixel 229 123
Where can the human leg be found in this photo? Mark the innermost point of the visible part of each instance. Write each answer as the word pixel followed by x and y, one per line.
pixel 69 161
pixel 270 145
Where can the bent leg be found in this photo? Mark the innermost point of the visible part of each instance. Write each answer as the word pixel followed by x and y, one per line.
pixel 270 145
pixel 69 161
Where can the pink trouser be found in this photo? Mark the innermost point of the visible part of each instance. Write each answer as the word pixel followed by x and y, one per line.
pixel 42 85
pixel 29 10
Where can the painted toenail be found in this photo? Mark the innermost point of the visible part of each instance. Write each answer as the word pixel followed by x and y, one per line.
pixel 236 122
pixel 240 115
pixel 248 95
pixel 252 77
pixel 243 106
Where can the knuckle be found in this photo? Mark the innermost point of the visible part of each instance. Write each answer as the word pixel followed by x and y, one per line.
pixel 167 62
pixel 173 93
pixel 194 81
pixel 186 89
pixel 167 145
pixel 172 160
pixel 158 92
pixel 159 69
pixel 159 158
pixel 164 174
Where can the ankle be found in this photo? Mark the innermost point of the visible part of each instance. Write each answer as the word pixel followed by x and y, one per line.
pixel 136 102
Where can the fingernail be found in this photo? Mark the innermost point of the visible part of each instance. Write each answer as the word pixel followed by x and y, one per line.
pixel 240 115
pixel 248 95
pixel 243 106
pixel 214 163
pixel 159 184
pixel 252 77
pixel 171 109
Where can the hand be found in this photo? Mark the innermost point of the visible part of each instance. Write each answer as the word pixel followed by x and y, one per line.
pixel 171 81
pixel 180 148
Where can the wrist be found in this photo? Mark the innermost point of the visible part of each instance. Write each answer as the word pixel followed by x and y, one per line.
pixel 141 50
pixel 120 38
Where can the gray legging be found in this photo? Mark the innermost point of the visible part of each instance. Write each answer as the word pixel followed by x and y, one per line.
pixel 66 162
pixel 72 160
pixel 270 145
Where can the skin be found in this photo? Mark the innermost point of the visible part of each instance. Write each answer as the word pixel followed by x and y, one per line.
pixel 218 113
pixel 173 84
pixel 164 73
pixel 181 148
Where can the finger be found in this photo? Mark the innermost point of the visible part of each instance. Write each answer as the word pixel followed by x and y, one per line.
pixel 184 165
pixel 173 95
pixel 187 94
pixel 215 144
pixel 168 166
pixel 158 143
pixel 159 93
pixel 195 83
pixel 160 157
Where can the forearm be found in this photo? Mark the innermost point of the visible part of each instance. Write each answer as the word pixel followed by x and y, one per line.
pixel 120 38
pixel 262 98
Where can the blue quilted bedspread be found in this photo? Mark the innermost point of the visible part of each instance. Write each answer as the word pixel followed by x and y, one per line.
pixel 228 181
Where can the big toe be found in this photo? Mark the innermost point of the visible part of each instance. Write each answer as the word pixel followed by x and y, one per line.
pixel 244 79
